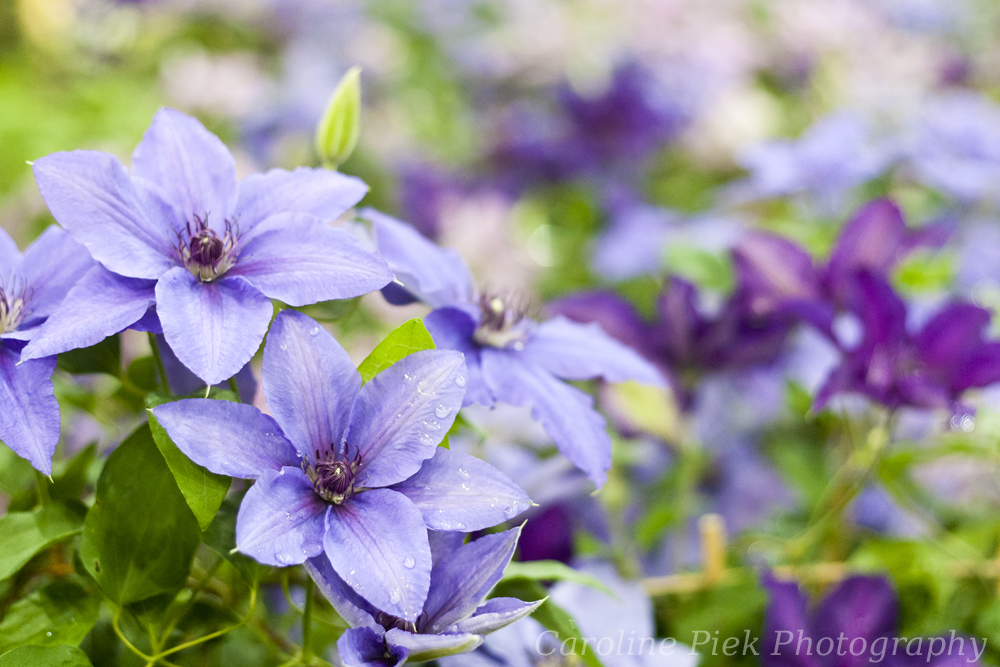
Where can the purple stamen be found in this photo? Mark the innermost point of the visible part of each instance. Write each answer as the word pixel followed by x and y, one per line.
pixel 206 254
pixel 333 476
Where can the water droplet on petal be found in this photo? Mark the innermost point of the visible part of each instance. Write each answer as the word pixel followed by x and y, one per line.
pixel 463 473
pixel 509 510
pixel 442 411
pixel 518 346
pixel 314 331
pixel 408 562
pixel 283 346
pixel 395 596
pixel 460 380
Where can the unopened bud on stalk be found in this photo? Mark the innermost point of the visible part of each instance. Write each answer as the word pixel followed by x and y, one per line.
pixel 338 130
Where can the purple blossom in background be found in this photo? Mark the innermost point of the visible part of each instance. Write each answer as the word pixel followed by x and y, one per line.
pixel 350 471
pixel 929 369
pixel 833 156
pixel 854 625
pixel 181 234
pixel 32 285
pixel 511 358
pixel 454 618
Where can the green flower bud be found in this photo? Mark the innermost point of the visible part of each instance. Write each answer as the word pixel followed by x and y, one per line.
pixel 338 130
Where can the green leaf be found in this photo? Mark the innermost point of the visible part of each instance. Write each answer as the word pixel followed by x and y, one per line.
pixel 330 311
pixel 63 612
pixel 552 570
pixel 105 357
pixel 59 655
pixel 549 614
pixel 221 537
pixel 27 533
pixel 203 490
pixel 339 128
pixel 140 535
pixel 408 338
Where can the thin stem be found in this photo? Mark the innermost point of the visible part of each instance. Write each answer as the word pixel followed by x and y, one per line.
pixel 233 387
pixel 190 603
pixel 160 369
pixel 118 631
pixel 213 635
pixel 307 621
pixel 42 486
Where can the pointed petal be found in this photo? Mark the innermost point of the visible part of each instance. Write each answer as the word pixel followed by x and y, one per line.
pixel 772 271
pixel 566 413
pixel 193 168
pixel 437 276
pixel 10 256
pixel 101 304
pixel 365 647
pixel 299 259
pixel 214 328
pixel 872 240
pixel 455 491
pixel 429 647
pixel 353 608
pixel 951 334
pixel 858 607
pixel 404 412
pixel 377 543
pixel 182 381
pixel 91 196
pixel 460 584
pixel 443 544
pixel 577 351
pixel 495 614
pixel 29 421
pixel 615 315
pixel 52 265
pixel 281 521
pixel 309 381
pixel 452 329
pixel 227 438
pixel 320 192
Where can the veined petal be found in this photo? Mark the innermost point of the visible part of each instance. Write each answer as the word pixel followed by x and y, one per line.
pixel 309 381
pixel 404 412
pixel 299 259
pixel 227 438
pixel 455 491
pixel 101 304
pixel 52 265
pixel 566 413
pixel 10 256
pixel 214 328
pixel 495 614
pixel 29 420
pixel 377 543
pixel 365 647
pixel 429 647
pixel 354 609
pixel 281 521
pixel 181 380
pixel 91 196
pixel 443 544
pixel 193 168
pixel 452 329
pixel 437 276
pixel 459 585
pixel 323 193
pixel 577 351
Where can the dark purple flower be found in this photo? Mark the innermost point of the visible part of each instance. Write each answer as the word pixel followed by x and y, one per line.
pixel 32 285
pixel 454 618
pixel 180 232
pixel 350 471
pixel 510 357
pixel 854 625
pixel 929 369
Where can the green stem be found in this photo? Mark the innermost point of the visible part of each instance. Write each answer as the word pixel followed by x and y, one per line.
pixel 42 485
pixel 233 387
pixel 160 369
pixel 307 622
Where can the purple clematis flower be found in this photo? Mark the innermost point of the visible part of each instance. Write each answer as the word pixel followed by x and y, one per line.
pixel 32 285
pixel 929 369
pixel 181 233
pixel 350 471
pixel 854 625
pixel 511 358
pixel 454 619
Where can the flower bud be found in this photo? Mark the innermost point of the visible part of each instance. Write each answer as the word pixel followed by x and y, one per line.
pixel 338 130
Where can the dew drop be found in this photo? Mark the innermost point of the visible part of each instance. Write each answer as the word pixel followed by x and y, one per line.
pixel 460 380
pixel 509 510
pixel 459 526
pixel 48 634
pixel 314 331
pixel 408 562
pixel 395 596
pixel 442 411
pixel 283 346
pixel 463 473
pixel 518 346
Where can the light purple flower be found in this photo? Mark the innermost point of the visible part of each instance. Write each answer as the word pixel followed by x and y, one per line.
pixel 181 233
pixel 350 471
pixel 32 285
pixel 454 619
pixel 511 358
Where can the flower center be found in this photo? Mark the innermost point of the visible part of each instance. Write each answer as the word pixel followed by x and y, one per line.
pixel 12 308
pixel 500 324
pixel 333 476
pixel 206 254
pixel 390 622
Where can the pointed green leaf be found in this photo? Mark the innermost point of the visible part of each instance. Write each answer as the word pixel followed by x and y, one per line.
pixel 27 533
pixel 63 612
pixel 59 655
pixel 552 570
pixel 140 536
pixel 408 338
pixel 203 490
